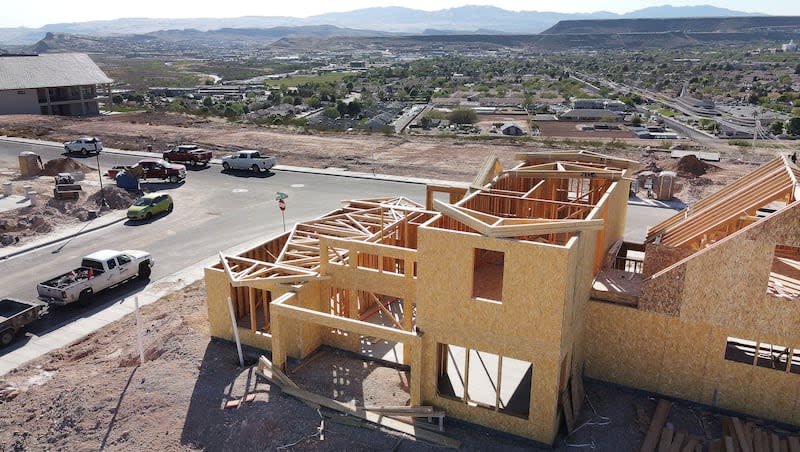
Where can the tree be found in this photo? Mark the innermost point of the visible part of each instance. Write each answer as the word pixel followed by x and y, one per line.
pixel 797 69
pixel 117 99
pixel 793 126
pixel 341 107
pixel 208 101
pixel 313 102
pixel 331 112
pixel 425 122
pixel 463 116
pixel 776 128
pixel 636 121
pixel 353 109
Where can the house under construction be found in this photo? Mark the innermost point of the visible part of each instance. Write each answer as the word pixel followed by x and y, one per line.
pixel 503 297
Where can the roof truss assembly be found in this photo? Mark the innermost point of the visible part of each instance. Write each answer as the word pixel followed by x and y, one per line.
pixel 730 209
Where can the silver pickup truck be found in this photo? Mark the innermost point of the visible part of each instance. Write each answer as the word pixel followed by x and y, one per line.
pixel 98 271
pixel 248 160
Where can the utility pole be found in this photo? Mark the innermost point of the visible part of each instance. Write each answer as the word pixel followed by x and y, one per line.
pixel 100 178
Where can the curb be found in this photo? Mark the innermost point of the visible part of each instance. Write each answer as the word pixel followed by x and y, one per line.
pixel 68 236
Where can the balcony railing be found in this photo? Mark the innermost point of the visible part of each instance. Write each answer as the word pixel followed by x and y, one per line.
pixel 628 265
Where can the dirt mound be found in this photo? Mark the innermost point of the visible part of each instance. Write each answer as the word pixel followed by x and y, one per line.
pixel 691 166
pixel 65 165
pixel 115 197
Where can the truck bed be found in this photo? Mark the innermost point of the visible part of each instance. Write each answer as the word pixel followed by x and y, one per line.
pixel 10 308
pixel 71 277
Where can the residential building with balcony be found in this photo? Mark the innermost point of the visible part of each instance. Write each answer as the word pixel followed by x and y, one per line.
pixel 63 84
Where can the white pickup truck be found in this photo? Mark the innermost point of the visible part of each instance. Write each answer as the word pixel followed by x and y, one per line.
pixel 98 271
pixel 84 145
pixel 247 160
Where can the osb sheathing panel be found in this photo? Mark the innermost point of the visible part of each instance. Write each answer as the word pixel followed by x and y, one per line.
pixel 541 424
pixel 616 215
pixel 347 277
pixel 664 294
pixel 526 325
pixel 624 345
pixel 217 291
pixel 659 257
pixel 686 360
pixel 534 287
pixel 782 227
pixel 724 284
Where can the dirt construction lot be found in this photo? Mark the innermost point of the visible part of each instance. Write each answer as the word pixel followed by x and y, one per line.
pixel 93 394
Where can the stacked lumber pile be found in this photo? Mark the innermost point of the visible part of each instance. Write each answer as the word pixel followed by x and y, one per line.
pixel 737 436
pixel 384 416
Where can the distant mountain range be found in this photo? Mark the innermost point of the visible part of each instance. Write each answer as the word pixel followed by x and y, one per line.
pixel 462 20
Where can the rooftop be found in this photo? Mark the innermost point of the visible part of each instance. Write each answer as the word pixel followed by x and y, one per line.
pixel 49 70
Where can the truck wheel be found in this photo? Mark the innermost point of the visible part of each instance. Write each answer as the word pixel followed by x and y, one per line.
pixel 225 166
pixel 169 209
pixel 144 270
pixel 6 337
pixel 255 168
pixel 173 179
pixel 84 152
pixel 85 296
pixel 148 217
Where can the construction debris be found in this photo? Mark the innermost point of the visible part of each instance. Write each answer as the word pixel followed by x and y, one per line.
pixel 375 415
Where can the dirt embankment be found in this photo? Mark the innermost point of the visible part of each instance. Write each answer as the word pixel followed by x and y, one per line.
pixel 19 225
pixel 422 156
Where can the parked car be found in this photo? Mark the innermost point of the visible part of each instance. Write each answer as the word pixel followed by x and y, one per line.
pixel 150 205
pixel 98 271
pixel 161 169
pixel 15 315
pixel 248 160
pixel 84 145
pixel 188 153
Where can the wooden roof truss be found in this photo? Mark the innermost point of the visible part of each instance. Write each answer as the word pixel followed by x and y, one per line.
pixel 730 209
pixel 368 220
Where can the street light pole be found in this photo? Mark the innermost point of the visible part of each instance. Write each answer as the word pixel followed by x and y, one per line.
pixel 100 178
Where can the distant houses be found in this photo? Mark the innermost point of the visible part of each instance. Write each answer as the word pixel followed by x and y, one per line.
pixel 64 84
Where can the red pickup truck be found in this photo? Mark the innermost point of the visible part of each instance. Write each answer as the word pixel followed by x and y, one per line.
pixel 160 169
pixel 188 153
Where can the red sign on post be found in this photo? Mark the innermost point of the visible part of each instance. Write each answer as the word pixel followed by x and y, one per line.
pixel 281 205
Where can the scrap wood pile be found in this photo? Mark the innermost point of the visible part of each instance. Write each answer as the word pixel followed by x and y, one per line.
pixel 737 436
pixel 391 417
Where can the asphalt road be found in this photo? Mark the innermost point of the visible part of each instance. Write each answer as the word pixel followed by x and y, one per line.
pixel 214 211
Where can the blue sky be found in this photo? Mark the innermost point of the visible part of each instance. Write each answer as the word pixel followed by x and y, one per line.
pixel 17 13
